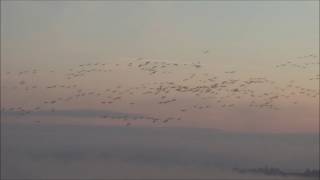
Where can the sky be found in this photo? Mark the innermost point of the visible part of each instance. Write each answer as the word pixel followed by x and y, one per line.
pixel 171 89
pixel 249 37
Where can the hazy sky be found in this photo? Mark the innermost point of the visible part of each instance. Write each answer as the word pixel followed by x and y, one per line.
pixel 173 89
pixel 251 37
pixel 41 32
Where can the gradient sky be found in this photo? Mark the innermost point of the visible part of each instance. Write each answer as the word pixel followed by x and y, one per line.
pixel 250 37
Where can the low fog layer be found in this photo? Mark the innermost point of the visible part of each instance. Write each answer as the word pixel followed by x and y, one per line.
pixel 65 151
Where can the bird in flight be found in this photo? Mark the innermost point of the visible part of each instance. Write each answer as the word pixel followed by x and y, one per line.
pixel 206 51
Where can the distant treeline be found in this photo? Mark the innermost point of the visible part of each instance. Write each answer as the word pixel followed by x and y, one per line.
pixel 278 172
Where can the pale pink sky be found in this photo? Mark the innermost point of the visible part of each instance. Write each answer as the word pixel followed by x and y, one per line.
pixel 250 38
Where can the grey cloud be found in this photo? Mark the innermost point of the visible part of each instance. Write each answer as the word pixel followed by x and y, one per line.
pixel 65 151
pixel 78 113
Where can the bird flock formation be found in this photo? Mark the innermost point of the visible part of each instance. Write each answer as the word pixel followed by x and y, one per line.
pixel 204 89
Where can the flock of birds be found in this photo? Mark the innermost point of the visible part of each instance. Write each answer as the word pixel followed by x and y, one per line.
pixel 206 90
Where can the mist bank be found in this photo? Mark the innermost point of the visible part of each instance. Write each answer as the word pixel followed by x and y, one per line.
pixel 270 171
pixel 71 151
